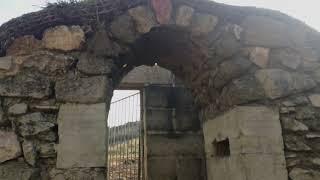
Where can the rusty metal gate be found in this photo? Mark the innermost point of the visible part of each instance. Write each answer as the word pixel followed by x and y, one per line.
pixel 125 150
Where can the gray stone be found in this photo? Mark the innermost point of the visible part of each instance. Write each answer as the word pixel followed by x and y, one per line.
pixel 184 15
pixel 47 150
pixel 17 109
pixel 315 161
pixel 95 65
pixel 78 173
pixel 34 124
pixel 5 63
pixel 84 128
pixel 101 45
pixel 26 84
pixel 143 17
pixel 83 90
pixel 46 105
pixel 278 83
pixel 294 143
pixel 304 174
pixel 315 100
pixel 293 125
pixel 2 118
pixel 203 23
pixel 47 62
pixel 242 90
pixel 29 152
pixel 64 38
pixel 10 146
pixel 285 57
pixel 18 171
pixel 230 69
pixel 268 32
pixel 259 56
pixel 123 28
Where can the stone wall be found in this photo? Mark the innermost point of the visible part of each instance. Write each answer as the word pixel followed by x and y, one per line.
pixel 227 56
pixel 174 148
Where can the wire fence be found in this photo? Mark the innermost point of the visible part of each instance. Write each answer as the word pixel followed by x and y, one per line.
pixel 125 147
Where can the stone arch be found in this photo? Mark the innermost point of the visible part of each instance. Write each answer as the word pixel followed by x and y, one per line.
pixel 235 60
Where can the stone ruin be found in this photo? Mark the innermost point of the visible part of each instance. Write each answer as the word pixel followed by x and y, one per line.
pixel 252 74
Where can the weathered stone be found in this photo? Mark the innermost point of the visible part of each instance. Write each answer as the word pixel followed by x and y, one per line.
pixel 2 119
pixel 285 57
pixel 278 83
pixel 64 38
pixel 227 44
pixel 313 135
pixel 315 100
pixel 82 127
pixel 33 124
pixel 123 28
pixel 230 69
pixel 24 45
pixel 315 161
pixel 47 150
pixel 91 65
pixel 29 152
pixel 242 90
pixel 5 63
pixel 83 90
pixel 268 32
pixel 17 109
pixel 259 56
pixel 14 170
pixel 294 143
pixel 293 125
pixel 143 18
pixel 101 45
pixel 304 174
pixel 47 62
pixel 163 10
pixel 26 84
pixel 203 23
pixel 296 100
pixel 10 146
pixel 184 15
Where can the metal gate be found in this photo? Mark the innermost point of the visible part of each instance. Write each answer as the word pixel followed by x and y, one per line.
pixel 125 150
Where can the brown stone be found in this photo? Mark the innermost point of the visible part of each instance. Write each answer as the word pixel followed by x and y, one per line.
pixel 203 23
pixel 315 99
pixel 24 45
pixel 64 38
pixel 259 56
pixel 143 17
pixel 163 10
pixel 10 146
pixel 5 63
pixel 184 15
pixel 304 174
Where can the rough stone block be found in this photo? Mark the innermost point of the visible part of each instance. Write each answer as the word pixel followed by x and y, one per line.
pixel 186 120
pixel 184 15
pixel 92 65
pixel 315 100
pixel 26 84
pixel 143 17
pixel 278 83
pixel 203 23
pixel 304 174
pixel 24 45
pixel 82 136
pixel 259 56
pixel 10 146
pixel 64 38
pixel 17 109
pixel 84 90
pixel 15 170
pixel 268 32
pixel 123 28
pixel 5 63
